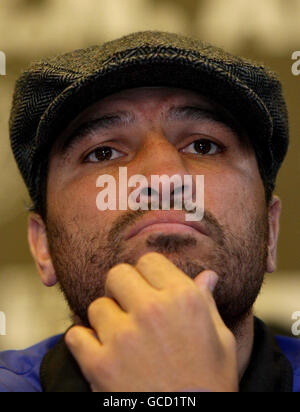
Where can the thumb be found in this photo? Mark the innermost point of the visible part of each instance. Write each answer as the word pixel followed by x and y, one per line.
pixel 207 280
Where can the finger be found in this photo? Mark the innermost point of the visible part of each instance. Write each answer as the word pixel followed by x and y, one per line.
pixel 126 285
pixel 160 272
pixel 85 347
pixel 105 317
pixel 206 281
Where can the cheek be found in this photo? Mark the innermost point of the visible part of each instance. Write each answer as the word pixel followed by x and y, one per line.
pixel 74 202
pixel 234 195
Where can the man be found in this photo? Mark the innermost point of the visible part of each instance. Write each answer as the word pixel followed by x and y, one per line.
pixel 159 303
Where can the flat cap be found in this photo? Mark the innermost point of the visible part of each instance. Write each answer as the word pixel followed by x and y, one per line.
pixel 52 92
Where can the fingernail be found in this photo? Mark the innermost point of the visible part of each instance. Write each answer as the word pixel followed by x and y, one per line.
pixel 212 280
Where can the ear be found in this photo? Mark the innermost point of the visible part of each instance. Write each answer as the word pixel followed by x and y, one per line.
pixel 38 243
pixel 274 216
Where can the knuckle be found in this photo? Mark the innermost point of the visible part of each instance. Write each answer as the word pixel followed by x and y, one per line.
pixel 119 268
pixel 94 308
pixel 191 299
pixel 127 337
pixel 151 311
pixel 116 271
pixel 148 257
pixel 71 336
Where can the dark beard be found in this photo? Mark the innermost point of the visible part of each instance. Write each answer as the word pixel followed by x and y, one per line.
pixel 81 261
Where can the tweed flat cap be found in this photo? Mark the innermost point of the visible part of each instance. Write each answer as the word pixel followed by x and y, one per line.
pixel 52 92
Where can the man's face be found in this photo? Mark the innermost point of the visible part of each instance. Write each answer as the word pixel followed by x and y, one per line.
pixel 157 131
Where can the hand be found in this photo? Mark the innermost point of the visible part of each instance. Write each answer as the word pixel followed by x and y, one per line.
pixel 156 330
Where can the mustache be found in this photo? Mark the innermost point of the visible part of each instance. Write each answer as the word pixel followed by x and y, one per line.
pixel 214 229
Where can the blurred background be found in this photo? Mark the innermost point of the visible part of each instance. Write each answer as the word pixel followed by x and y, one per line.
pixel 267 31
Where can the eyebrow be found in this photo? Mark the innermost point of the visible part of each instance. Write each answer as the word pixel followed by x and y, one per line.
pixel 200 113
pixel 105 122
pixel 124 119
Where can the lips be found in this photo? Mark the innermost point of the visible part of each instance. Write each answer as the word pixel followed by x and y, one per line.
pixel 166 222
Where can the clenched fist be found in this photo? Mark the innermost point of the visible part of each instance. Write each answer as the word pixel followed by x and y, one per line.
pixel 156 330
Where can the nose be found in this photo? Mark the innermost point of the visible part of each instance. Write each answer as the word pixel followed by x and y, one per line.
pixel 168 183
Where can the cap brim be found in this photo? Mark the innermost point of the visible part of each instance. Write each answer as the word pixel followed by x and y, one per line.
pixel 208 79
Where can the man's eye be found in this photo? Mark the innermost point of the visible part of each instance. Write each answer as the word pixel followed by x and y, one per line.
pixel 203 147
pixel 103 153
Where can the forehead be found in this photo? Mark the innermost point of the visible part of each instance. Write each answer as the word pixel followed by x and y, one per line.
pixel 148 103
pixel 146 100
